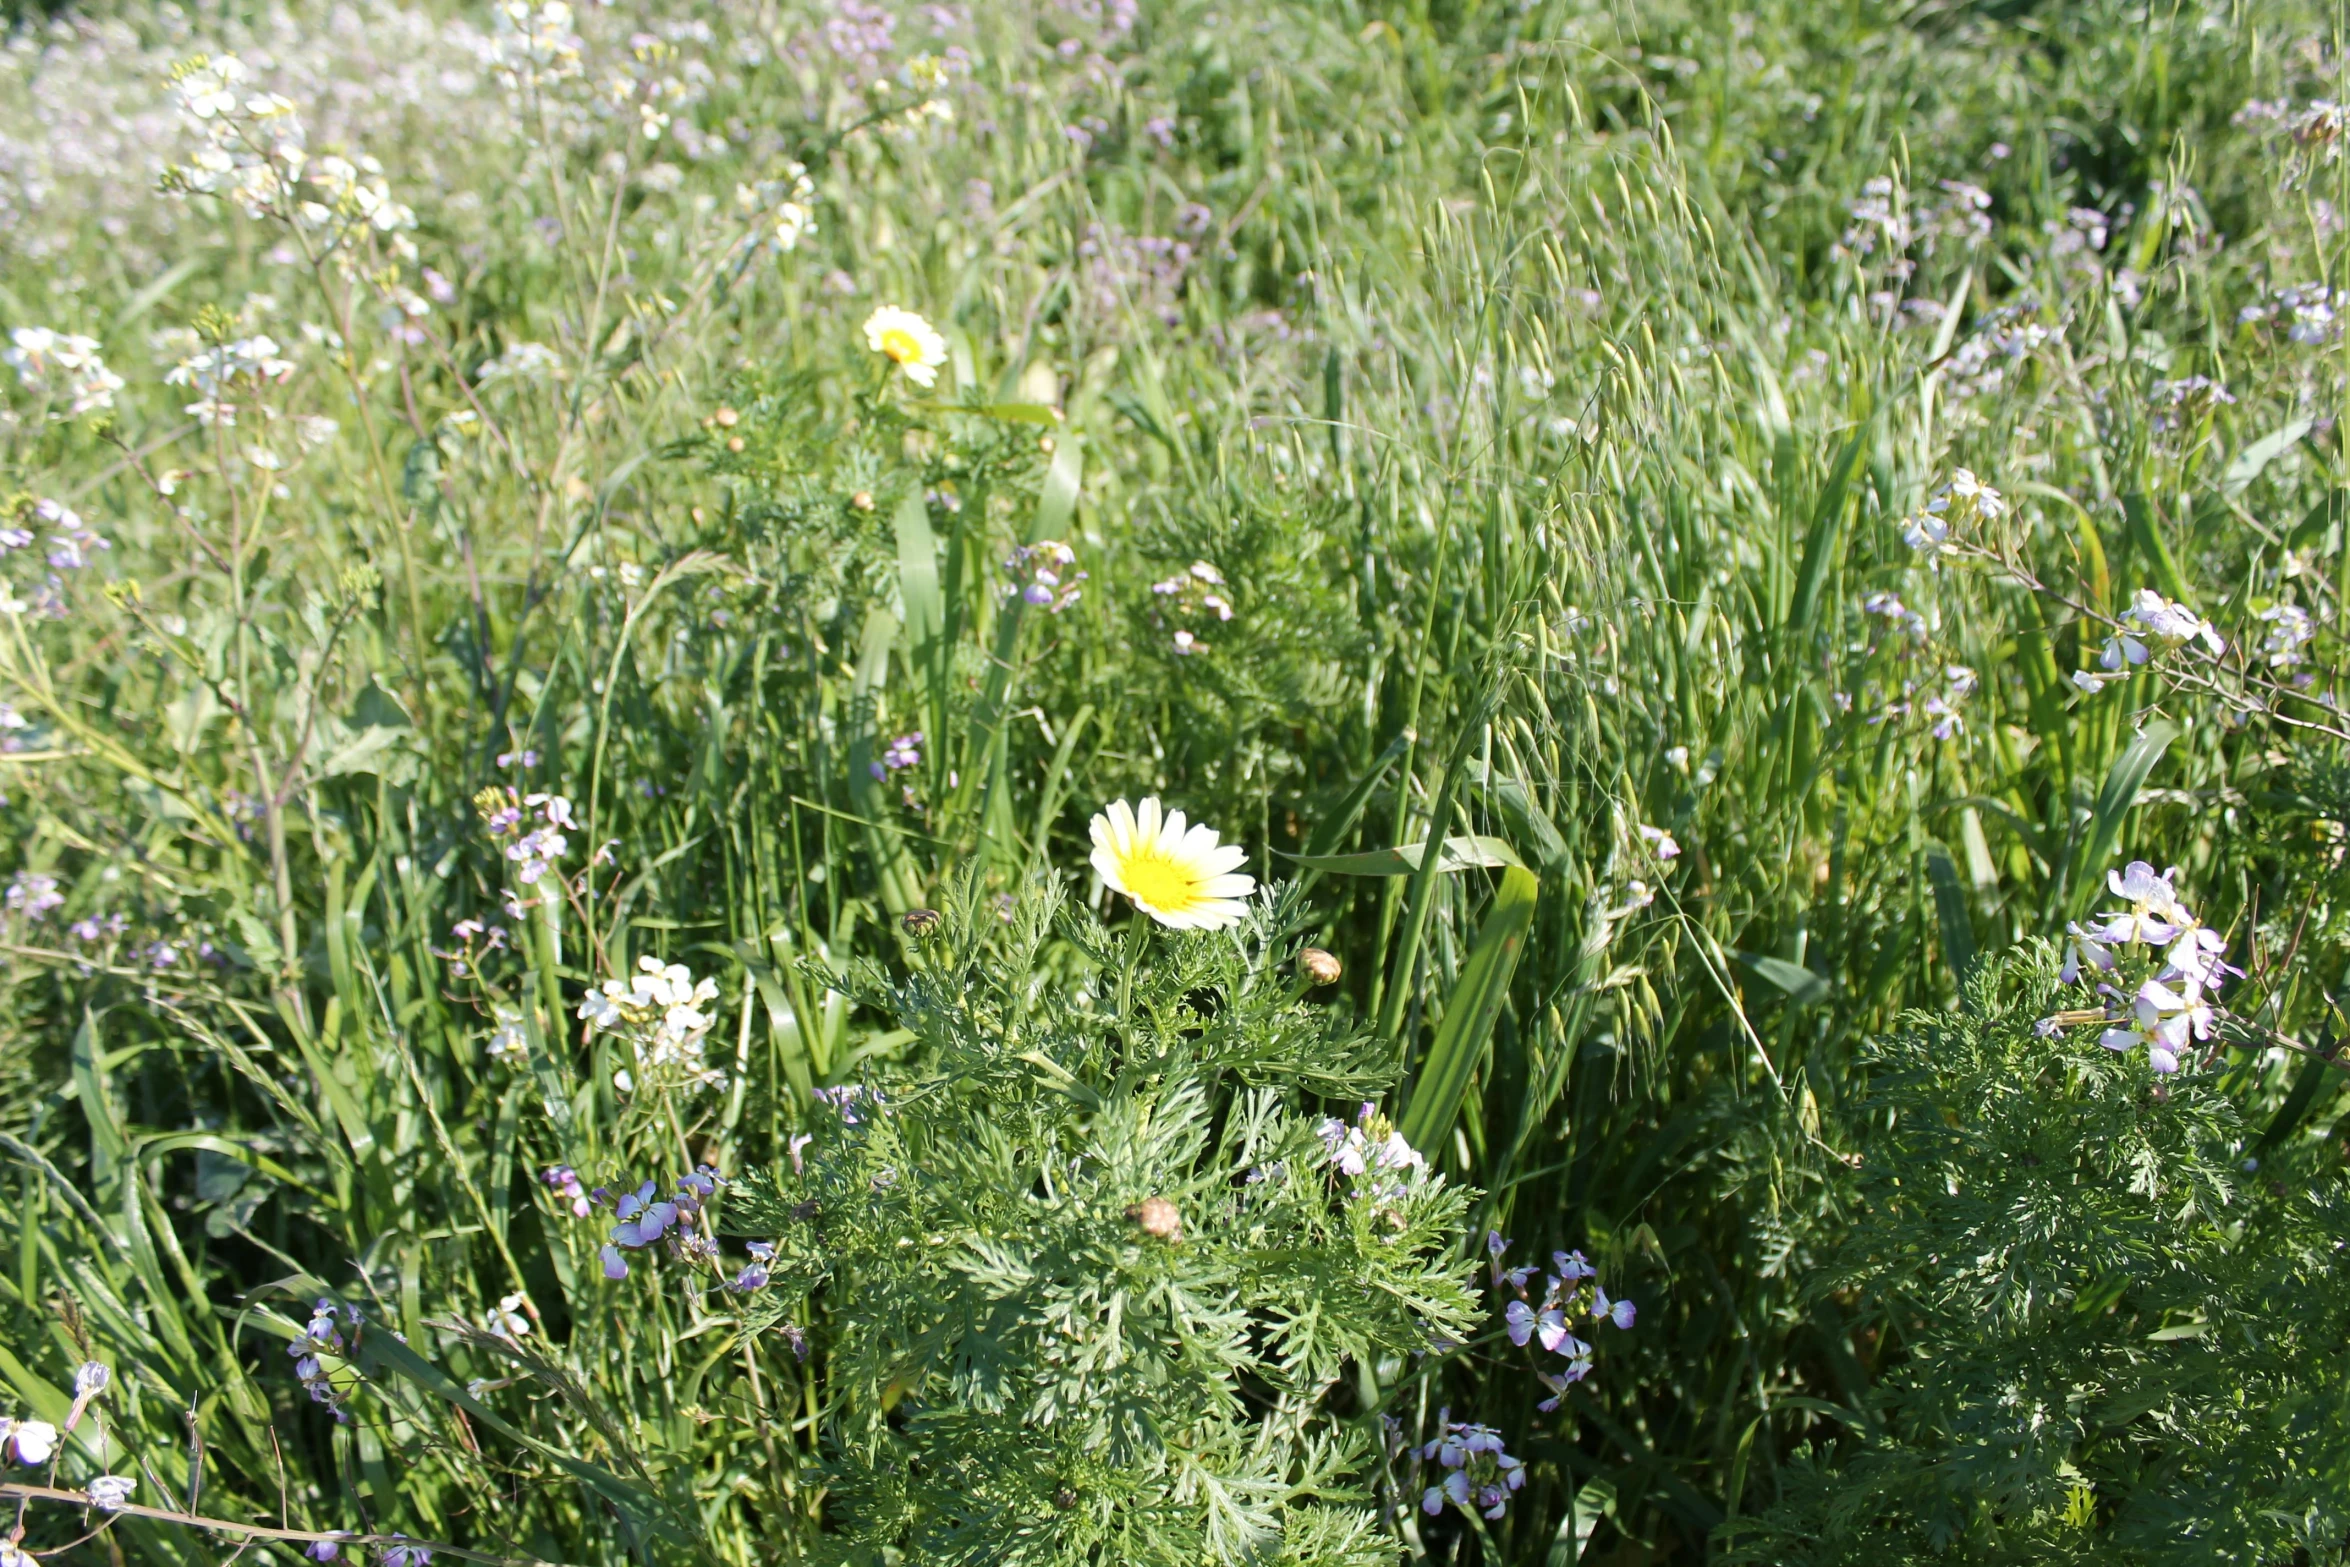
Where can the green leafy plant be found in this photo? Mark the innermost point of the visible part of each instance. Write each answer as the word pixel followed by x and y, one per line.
pixel 1084 1284
pixel 2107 1311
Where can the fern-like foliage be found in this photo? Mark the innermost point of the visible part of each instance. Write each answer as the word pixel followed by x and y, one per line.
pixel 1079 1288
pixel 2106 1330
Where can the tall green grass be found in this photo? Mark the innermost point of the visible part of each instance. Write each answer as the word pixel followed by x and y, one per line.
pixel 1548 385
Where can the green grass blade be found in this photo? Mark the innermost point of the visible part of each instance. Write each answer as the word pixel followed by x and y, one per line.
pixel 1950 913
pixel 1475 851
pixel 2114 800
pixel 1470 1011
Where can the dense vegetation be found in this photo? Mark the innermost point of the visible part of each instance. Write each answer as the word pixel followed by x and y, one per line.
pixel 575 583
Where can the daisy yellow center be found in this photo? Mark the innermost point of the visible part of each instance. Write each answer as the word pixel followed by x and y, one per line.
pixel 901 345
pixel 1169 885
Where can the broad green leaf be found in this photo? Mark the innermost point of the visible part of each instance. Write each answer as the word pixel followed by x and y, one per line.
pixel 1015 413
pixel 2250 462
pixel 1950 912
pixel 2146 538
pixel 1472 852
pixel 1331 831
pixel 1058 504
pixel 1476 999
pixel 918 587
pixel 1516 803
pixel 2122 784
pixel 1801 985
pixel 1827 529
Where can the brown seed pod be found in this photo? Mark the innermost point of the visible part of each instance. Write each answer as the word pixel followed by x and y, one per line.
pixel 1320 967
pixel 1158 1218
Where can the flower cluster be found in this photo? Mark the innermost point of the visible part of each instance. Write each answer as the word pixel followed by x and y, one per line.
pixel 509 1041
pixel 643 1218
pixel 659 1009
pixel 1963 502
pixel 322 1337
pixel 2156 965
pixel 2290 629
pixel 466 960
pixel 71 543
pixel 536 844
pixel 1889 605
pixel 1479 1473
pixel 785 209
pixel 2185 402
pixel 253 154
pixel 563 1180
pixel 217 373
pixel 1194 594
pixel 2152 624
pixel 1570 1293
pixel 1372 1153
pixel 532 46
pixel 902 752
pixel 33 894
pixel 2307 311
pixel 63 363
pixel 1041 574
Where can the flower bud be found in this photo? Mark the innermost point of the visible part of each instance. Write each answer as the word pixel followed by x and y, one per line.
pixel 1158 1218
pixel 920 922
pixel 1318 966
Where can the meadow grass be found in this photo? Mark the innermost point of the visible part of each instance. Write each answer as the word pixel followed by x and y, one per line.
pixel 1711 463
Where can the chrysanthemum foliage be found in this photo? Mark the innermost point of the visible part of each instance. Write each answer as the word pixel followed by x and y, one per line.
pixel 1087 1285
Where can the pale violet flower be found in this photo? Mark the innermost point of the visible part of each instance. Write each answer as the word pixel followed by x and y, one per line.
pixel 2155 916
pixel 2083 949
pixel 1549 1325
pixel 2195 957
pixel 2153 617
pixel 510 1041
pixel 109 1493
pixel 508 1321
pixel 643 1220
pixel 65 362
pixel 32 1441
pixel 2289 630
pixel 1928 535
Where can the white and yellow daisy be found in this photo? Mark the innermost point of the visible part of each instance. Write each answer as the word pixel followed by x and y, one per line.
pixel 1179 875
pixel 908 339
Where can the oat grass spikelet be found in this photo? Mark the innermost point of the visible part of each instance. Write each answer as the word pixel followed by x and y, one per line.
pixel 909 340
pixel 1177 874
